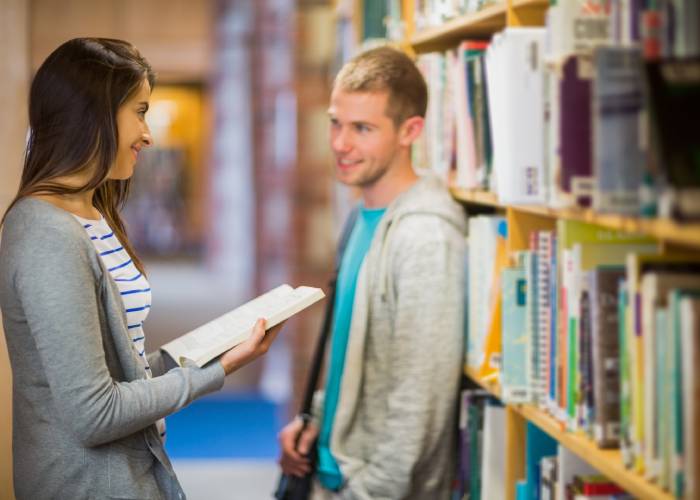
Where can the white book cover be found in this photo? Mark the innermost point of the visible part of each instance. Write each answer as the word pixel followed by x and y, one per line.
pixel 517 120
pixel 570 465
pixel 493 473
pixel 203 344
pixel 482 250
pixel 466 152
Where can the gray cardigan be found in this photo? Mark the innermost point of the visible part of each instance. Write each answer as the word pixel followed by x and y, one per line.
pixel 83 412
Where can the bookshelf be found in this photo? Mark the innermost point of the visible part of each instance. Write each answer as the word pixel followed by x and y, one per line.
pixel 479 25
pixel 523 219
pixel 661 229
pixel 608 462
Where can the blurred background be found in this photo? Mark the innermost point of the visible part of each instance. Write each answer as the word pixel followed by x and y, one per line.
pixel 236 197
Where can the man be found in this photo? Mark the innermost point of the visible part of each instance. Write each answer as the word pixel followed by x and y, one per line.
pixel 386 427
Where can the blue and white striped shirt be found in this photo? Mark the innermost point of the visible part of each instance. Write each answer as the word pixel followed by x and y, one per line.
pixel 133 286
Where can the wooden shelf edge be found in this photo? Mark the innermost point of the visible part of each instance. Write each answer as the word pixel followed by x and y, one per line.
pixel 607 462
pixel 521 4
pixel 493 387
pixel 662 229
pixel 474 196
pixel 484 22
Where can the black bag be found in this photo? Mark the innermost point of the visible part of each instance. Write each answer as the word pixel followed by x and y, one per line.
pixel 299 488
pixel 294 487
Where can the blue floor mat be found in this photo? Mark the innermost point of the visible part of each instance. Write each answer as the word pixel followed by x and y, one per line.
pixel 225 426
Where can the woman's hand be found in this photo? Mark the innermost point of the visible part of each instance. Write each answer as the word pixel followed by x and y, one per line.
pixel 245 352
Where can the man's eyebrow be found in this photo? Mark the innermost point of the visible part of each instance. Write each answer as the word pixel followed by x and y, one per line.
pixel 366 124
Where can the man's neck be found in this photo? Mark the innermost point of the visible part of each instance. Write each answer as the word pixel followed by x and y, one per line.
pixel 395 182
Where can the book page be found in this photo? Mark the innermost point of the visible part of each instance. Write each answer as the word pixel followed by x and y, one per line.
pixel 211 339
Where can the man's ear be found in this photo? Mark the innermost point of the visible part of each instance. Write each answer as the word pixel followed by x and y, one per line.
pixel 410 129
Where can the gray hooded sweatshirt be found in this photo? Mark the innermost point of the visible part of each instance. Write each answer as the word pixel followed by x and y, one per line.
pixel 394 433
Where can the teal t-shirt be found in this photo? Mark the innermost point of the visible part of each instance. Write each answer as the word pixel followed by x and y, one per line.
pixel 358 244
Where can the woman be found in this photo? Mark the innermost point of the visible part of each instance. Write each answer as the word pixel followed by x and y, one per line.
pixel 88 402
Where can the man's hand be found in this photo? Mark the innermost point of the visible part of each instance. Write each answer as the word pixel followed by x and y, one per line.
pixel 245 352
pixel 294 460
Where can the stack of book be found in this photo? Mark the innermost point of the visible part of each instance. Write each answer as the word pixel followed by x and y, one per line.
pixel 599 115
pixel 600 329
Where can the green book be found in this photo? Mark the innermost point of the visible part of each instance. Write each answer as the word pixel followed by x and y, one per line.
pixel 663 384
pixel 625 390
pixel 675 357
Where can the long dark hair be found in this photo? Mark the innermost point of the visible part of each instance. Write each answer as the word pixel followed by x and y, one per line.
pixel 73 105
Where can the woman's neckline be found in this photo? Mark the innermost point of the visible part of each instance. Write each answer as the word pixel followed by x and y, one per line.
pixel 63 207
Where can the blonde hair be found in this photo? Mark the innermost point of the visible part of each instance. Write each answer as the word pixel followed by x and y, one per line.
pixel 387 70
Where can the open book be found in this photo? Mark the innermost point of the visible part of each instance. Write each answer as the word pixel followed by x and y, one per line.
pixel 203 344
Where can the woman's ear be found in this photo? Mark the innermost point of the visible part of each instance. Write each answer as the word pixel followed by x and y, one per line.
pixel 410 129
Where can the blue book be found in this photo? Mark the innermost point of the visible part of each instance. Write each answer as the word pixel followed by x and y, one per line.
pixel 515 342
pixel 538 444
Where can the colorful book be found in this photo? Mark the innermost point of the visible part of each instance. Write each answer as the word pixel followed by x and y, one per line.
pixel 625 376
pixel 514 372
pixel 654 290
pixel 604 286
pixel 618 103
pixel 637 265
pixel 483 237
pixel 538 444
pixel 677 402
pixel 690 342
pixel 583 246
pixel 574 163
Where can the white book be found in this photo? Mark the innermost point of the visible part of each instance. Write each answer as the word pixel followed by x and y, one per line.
pixel 203 344
pixel 517 119
pixel 483 233
pixel 570 465
pixel 466 152
pixel 493 474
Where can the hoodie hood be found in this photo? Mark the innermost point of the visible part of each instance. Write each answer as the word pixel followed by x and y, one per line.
pixel 428 196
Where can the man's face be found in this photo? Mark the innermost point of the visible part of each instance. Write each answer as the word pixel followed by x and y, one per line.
pixel 364 139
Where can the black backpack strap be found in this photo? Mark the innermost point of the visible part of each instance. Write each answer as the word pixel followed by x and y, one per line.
pixel 345 236
pixel 299 488
pixel 319 352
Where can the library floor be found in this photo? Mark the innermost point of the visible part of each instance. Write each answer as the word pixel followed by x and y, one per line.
pixel 223 446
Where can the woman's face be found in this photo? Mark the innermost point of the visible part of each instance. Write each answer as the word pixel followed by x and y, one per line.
pixel 133 132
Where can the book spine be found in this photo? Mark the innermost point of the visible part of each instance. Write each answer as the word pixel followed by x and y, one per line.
pixel 543 311
pixel 575 130
pixel 606 352
pixel 617 106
